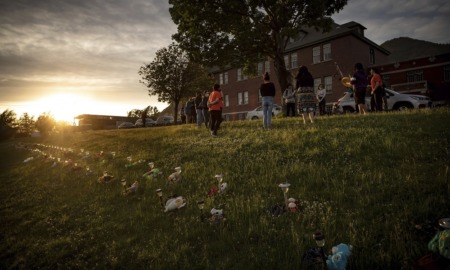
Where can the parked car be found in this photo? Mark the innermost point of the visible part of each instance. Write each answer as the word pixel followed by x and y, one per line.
pixel 126 125
pixel 164 120
pixel 148 122
pixel 395 101
pixel 258 112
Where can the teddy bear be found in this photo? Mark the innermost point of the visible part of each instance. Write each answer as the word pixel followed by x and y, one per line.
pixel 175 202
pixel 338 259
pixel 154 172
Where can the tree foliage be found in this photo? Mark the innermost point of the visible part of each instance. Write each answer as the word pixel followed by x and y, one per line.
pixel 8 124
pixel 45 123
pixel 242 32
pixel 172 77
pixel 151 113
pixel 26 125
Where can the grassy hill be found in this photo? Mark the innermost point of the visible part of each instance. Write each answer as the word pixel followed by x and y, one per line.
pixel 404 48
pixel 362 180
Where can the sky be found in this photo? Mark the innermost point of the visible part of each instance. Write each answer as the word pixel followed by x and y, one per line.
pixel 71 57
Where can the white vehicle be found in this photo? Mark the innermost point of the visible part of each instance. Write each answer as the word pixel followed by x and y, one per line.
pixel 164 120
pixel 126 125
pixel 258 112
pixel 148 122
pixel 395 101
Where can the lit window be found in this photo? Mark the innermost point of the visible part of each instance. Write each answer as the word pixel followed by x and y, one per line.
pixel 326 52
pixel 316 55
pixel 294 63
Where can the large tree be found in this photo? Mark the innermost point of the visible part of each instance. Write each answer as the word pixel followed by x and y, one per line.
pixel 45 123
pixel 8 124
pixel 172 76
pixel 26 125
pixel 239 33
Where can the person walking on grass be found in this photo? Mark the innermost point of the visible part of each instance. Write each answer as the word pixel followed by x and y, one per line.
pixel 215 105
pixel 306 97
pixel 205 110
pixel 360 82
pixel 267 92
pixel 199 109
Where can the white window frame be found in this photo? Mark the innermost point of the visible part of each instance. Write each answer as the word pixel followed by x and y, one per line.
pixel 316 55
pixel 414 76
pixel 239 74
pixel 294 60
pixel 225 78
pixel 328 82
pixel 240 98
pixel 326 52
pixel 317 81
pixel 221 78
pixel 286 61
pixel 226 101
pixel 245 97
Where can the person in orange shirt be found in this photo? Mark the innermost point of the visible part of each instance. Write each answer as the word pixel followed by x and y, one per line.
pixel 377 89
pixel 215 105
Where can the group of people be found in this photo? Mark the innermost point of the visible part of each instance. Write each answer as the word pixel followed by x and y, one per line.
pixel 206 108
pixel 359 82
pixel 304 99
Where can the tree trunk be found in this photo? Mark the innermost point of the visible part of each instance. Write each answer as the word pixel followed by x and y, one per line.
pixel 175 113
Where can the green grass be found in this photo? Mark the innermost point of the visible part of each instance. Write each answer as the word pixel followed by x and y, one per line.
pixel 362 180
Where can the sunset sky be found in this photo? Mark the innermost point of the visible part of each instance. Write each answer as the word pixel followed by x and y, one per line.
pixel 71 57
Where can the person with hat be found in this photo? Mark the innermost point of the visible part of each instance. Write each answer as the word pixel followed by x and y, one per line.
pixel 289 99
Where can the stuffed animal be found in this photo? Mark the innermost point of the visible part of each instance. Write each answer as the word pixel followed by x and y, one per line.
pixel 176 176
pixel 132 189
pixel 154 172
pixel 293 205
pixel 105 178
pixel 174 203
pixel 338 259
pixel 216 216
pixel 441 243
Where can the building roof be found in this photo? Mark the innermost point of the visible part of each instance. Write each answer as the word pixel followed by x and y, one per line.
pixel 310 36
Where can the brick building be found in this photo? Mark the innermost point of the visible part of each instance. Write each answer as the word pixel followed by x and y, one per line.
pixel 427 76
pixel 344 44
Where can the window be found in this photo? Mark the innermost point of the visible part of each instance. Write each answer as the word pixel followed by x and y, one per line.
pixel 226 101
pixel 328 81
pixel 317 82
pixel 243 98
pixel 326 52
pixel 221 78
pixel 225 78
pixel 316 55
pixel 447 73
pixel 239 74
pixel 286 61
pixel 414 76
pixel 267 66
pixel 260 68
pixel 372 55
pixel 294 63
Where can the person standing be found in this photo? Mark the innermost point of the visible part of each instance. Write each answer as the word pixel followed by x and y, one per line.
pixel 360 82
pixel 205 110
pixel 215 105
pixel 320 95
pixel 267 92
pixel 199 109
pixel 376 83
pixel 183 115
pixel 289 98
pixel 188 110
pixel 305 94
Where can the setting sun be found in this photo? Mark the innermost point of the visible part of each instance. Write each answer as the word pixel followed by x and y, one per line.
pixel 62 106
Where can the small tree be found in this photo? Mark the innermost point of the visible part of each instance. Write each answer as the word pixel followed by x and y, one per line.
pixel 137 113
pixel 26 125
pixel 45 123
pixel 171 76
pixel 8 124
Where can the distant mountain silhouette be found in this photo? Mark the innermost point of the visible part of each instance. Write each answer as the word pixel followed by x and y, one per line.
pixel 404 48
